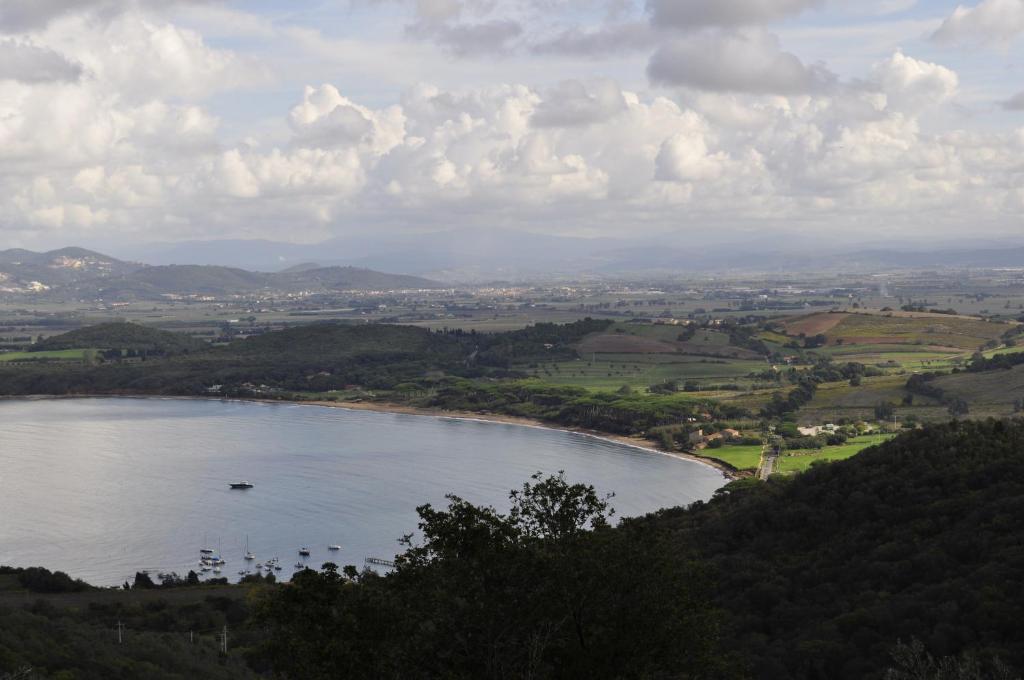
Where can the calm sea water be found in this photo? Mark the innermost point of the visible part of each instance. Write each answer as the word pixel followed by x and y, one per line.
pixel 103 487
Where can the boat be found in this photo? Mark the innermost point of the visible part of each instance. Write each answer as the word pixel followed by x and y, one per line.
pixel 206 551
pixel 243 572
pixel 216 570
pixel 259 565
pixel 300 565
pixel 278 567
pixel 304 552
pixel 248 555
pixel 334 547
pixel 241 485
pixel 205 567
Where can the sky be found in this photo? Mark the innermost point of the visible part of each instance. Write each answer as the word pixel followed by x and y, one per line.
pixel 132 121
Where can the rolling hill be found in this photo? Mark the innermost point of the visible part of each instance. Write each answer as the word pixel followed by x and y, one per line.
pixel 23 271
pixel 79 273
pixel 122 335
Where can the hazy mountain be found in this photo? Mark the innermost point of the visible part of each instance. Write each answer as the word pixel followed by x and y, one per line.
pixel 24 270
pixel 81 273
pixel 490 254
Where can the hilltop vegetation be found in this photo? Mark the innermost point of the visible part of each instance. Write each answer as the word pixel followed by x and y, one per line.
pixel 817 576
pixel 122 336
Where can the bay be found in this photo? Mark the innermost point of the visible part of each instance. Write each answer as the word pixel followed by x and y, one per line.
pixel 101 488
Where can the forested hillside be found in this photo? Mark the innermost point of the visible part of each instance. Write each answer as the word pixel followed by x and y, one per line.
pixel 819 576
pixel 124 336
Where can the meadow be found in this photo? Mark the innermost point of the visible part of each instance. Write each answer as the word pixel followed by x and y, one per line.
pixel 800 460
pixel 54 355
pixel 741 457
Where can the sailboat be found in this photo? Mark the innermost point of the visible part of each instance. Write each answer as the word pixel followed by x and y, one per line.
pixel 248 555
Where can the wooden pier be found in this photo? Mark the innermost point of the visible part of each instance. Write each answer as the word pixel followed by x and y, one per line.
pixel 379 562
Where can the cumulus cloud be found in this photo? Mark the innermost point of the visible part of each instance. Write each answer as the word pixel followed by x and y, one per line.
pixel 29 63
pixel 28 15
pixel 912 84
pixel 326 119
pixel 991 21
pixel 696 14
pixel 741 61
pixel 572 104
pixel 141 58
pixel 746 133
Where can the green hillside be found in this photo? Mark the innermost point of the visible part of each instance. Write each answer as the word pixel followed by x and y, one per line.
pixel 124 336
pixel 816 576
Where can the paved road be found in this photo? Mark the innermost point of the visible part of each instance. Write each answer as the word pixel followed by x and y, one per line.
pixel 768 467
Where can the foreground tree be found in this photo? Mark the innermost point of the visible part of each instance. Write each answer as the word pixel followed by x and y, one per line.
pixel 548 590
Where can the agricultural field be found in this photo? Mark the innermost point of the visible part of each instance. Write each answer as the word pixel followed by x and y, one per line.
pixel 991 393
pixel 799 460
pixel 612 371
pixel 944 333
pixel 662 339
pixel 739 456
pixel 56 355
pixel 641 355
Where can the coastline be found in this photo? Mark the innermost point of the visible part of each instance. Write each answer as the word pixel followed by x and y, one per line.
pixel 641 443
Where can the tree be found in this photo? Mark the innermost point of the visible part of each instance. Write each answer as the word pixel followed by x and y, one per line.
pixel 913 662
pixel 885 410
pixel 548 590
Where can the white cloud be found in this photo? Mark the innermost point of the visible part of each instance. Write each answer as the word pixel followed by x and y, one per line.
pixel 138 137
pixel 27 15
pixel 990 22
pixel 912 84
pixel 471 39
pixel 600 42
pixel 572 103
pixel 28 63
pixel 741 61
pixel 696 14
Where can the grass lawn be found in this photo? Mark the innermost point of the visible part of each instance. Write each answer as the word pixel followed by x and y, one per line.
pixel 65 354
pixel 798 461
pixel 740 457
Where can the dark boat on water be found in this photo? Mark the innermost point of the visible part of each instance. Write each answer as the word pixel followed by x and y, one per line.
pixel 241 485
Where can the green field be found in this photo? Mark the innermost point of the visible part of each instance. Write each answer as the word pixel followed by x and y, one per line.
pixel 64 354
pixel 739 456
pixel 639 371
pixel 990 393
pixel 800 460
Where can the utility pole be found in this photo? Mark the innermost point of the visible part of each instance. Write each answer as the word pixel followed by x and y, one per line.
pixel 224 640
pixel 120 629
pixel 190 639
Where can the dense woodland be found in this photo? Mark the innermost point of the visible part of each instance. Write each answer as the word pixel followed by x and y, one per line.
pixel 904 560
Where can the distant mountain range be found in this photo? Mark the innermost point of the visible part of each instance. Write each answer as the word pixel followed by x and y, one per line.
pixel 80 273
pixel 496 254
pixel 463 256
